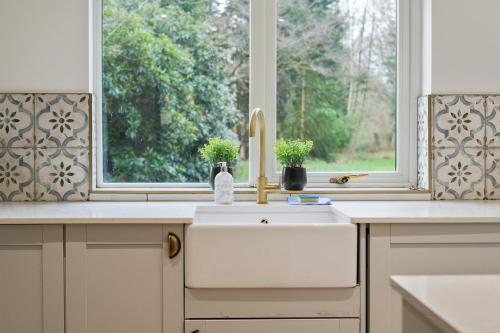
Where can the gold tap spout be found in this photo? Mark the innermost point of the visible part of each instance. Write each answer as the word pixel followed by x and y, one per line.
pixel 263 187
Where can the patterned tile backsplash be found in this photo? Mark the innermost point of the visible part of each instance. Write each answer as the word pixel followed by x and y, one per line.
pixel 423 172
pixel 62 121
pixel 16 174
pixel 45 142
pixel 17 120
pixel 44 147
pixel 464 136
pixel 492 174
pixel 62 174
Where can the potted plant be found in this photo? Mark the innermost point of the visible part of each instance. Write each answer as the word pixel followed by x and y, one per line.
pixel 291 155
pixel 219 150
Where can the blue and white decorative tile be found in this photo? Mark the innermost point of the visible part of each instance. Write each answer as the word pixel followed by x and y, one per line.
pixel 16 174
pixel 62 120
pixel 62 174
pixel 493 174
pixel 492 138
pixel 423 168
pixel 458 174
pixel 423 141
pixel 458 121
pixel 17 120
pixel 423 121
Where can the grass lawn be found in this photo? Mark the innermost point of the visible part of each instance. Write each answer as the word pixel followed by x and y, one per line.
pixel 371 162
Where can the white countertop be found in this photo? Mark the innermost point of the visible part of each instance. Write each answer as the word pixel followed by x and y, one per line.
pixel 96 212
pixel 420 211
pixel 183 212
pixel 461 303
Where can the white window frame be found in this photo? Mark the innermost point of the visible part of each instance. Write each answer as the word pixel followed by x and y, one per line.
pixel 263 48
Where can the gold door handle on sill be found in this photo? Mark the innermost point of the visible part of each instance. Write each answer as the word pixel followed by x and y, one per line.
pixel 344 179
pixel 174 245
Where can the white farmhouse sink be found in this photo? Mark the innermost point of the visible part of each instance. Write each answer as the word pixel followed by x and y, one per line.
pixel 299 247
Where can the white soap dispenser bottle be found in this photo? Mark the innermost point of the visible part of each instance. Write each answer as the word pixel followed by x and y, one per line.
pixel 223 186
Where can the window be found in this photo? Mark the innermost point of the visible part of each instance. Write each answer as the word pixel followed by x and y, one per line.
pixel 173 73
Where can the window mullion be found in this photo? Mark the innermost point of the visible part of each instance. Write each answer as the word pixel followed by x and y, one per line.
pixel 263 78
pixel 271 86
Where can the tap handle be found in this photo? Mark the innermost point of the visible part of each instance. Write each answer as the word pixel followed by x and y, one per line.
pixel 345 179
pixel 274 186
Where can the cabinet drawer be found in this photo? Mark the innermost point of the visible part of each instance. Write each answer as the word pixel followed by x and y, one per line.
pixel 273 326
pixel 21 235
pixel 272 303
pixel 125 234
pixel 445 233
pixel 445 259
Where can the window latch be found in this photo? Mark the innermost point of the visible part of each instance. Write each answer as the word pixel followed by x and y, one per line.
pixel 346 178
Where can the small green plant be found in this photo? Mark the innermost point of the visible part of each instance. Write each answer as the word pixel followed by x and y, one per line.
pixel 220 150
pixel 292 153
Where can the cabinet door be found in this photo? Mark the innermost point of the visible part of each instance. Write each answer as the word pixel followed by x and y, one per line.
pixel 31 279
pixel 119 278
pixel 273 326
pixel 423 249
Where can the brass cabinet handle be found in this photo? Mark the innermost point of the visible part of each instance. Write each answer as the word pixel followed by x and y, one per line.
pixel 174 245
pixel 344 179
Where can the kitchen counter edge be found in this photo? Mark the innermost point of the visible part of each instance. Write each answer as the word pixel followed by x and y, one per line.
pixel 151 212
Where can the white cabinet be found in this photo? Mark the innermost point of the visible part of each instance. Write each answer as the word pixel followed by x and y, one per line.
pixel 425 249
pixel 120 278
pixel 273 326
pixel 126 278
pixel 31 279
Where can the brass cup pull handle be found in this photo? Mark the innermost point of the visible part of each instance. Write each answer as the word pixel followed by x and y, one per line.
pixel 174 245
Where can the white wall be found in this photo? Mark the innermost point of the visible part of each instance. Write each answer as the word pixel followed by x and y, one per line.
pixel 44 46
pixel 465 52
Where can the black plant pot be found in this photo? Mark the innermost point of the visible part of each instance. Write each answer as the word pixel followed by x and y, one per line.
pixel 294 179
pixel 214 170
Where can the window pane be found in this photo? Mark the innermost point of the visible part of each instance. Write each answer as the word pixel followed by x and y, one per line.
pixel 337 81
pixel 175 73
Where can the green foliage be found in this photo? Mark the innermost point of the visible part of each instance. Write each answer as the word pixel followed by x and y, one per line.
pixel 220 150
pixel 331 131
pixel 176 72
pixel 326 122
pixel 165 90
pixel 309 89
pixel 292 153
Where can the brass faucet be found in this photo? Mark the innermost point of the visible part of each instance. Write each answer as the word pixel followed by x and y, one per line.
pixel 263 187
